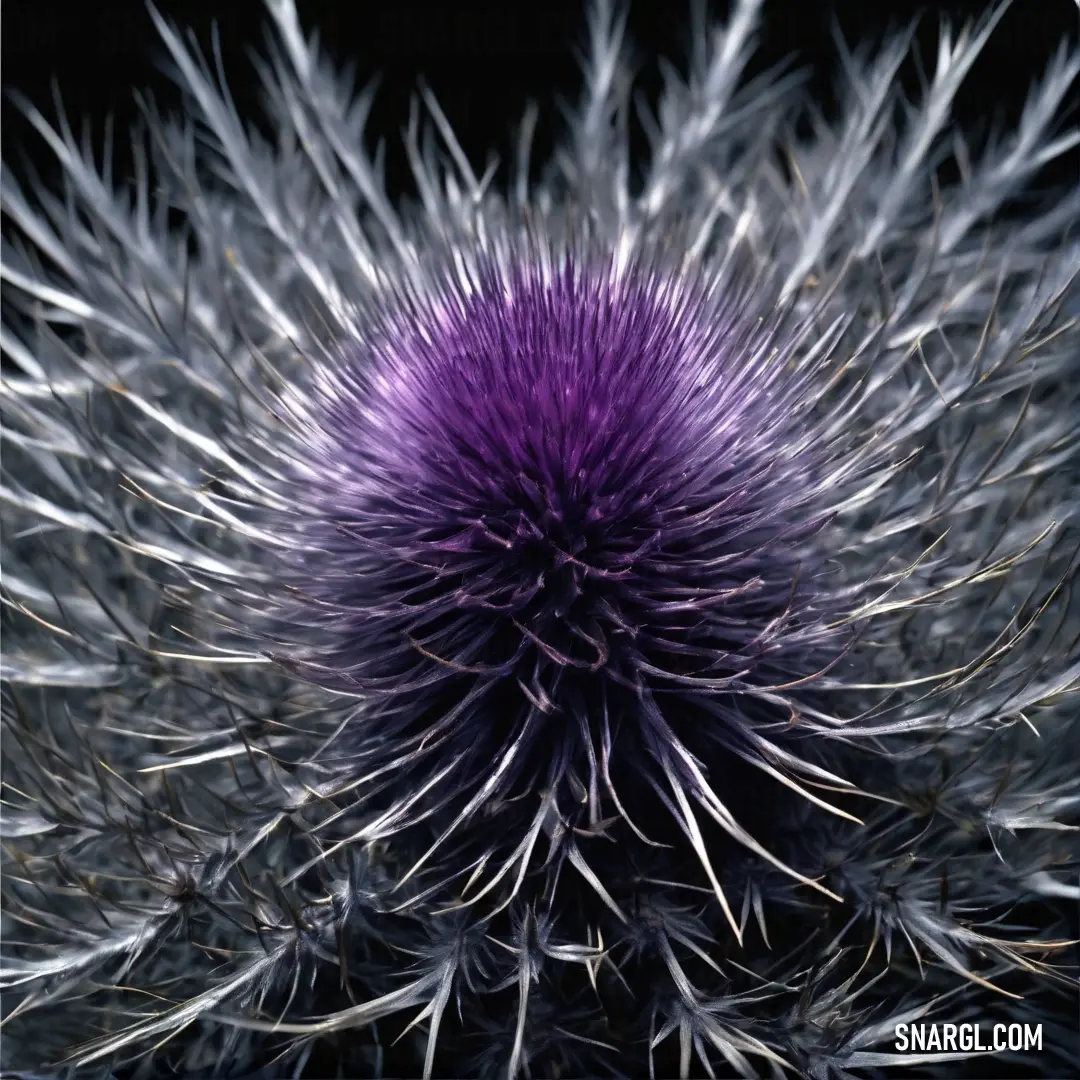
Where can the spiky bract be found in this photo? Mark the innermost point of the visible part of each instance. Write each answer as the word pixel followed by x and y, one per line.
pixel 579 630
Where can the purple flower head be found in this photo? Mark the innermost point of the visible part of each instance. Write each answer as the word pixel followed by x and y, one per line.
pixel 558 513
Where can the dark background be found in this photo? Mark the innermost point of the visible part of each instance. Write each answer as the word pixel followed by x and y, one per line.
pixel 485 59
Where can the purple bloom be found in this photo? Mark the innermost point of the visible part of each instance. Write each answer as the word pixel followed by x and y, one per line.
pixel 560 500
pixel 579 628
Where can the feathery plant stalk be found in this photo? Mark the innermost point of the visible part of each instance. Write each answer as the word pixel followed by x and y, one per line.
pixel 592 626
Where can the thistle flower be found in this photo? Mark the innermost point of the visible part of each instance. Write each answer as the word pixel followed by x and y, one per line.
pixel 579 627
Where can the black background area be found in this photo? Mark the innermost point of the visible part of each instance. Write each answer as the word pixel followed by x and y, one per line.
pixel 484 59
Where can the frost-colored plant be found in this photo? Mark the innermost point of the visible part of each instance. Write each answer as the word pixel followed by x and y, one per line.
pixel 566 628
